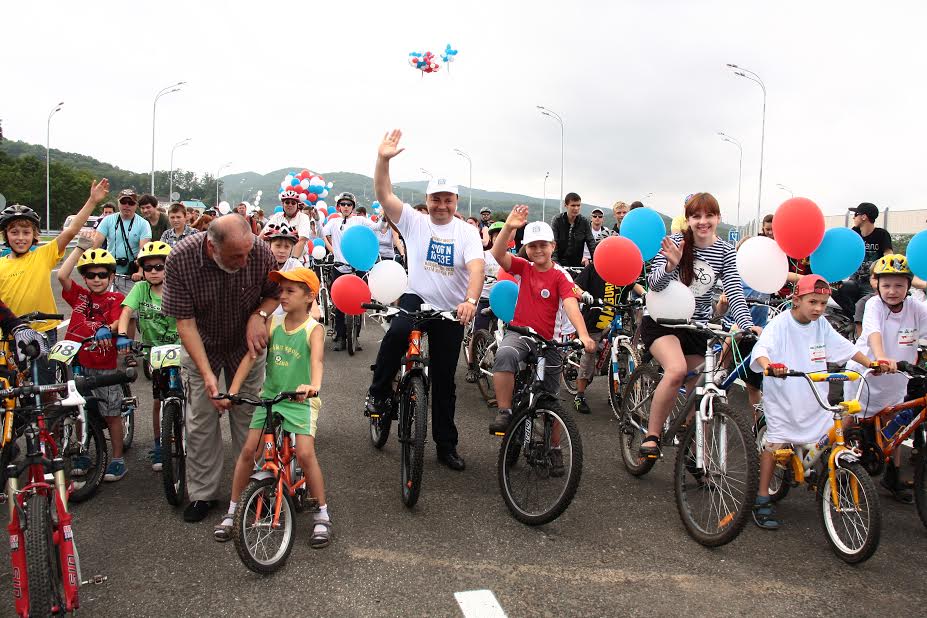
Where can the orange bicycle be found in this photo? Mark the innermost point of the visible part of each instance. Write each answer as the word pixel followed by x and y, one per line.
pixel 264 522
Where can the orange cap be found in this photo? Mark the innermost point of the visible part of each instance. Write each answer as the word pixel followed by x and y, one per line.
pixel 300 275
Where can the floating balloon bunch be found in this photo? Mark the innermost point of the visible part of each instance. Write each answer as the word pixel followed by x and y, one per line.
pixel 427 62
pixel 312 189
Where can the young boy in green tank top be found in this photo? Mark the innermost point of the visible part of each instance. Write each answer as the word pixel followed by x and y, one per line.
pixel 296 343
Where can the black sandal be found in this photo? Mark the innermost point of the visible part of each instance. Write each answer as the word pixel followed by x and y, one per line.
pixel 650 452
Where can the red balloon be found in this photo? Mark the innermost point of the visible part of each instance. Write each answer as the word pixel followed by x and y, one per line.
pixel 334 215
pixel 503 275
pixel 798 227
pixel 313 198
pixel 374 218
pixel 511 244
pixel 618 260
pixel 349 292
pixel 304 174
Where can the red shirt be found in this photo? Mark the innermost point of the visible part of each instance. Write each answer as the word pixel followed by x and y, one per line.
pixel 91 311
pixel 539 296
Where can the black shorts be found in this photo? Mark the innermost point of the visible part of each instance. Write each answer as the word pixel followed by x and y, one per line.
pixel 482 321
pixel 693 343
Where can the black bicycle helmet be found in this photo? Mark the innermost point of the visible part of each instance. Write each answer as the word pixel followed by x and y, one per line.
pixel 17 211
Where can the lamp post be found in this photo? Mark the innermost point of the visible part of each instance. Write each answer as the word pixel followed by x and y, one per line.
pixel 217 182
pixel 54 111
pixel 786 189
pixel 748 74
pixel 154 111
pixel 179 144
pixel 470 184
pixel 546 112
pixel 740 167
pixel 544 199
pixel 426 172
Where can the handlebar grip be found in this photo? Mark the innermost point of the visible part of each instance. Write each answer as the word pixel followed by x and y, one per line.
pixel 122 377
pixel 911 368
pixel 672 322
pixel 373 306
pixel 38 316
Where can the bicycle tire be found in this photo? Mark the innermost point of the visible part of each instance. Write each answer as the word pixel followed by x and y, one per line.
pixel 146 367
pixel 350 334
pixel 535 462
pixel 781 481
pixel 264 491
pixel 570 372
pixel 920 485
pixel 128 421
pixel 635 409
pixel 42 564
pixel 323 306
pixel 873 513
pixel 85 486
pixel 628 361
pixel 173 453
pixel 724 519
pixel 413 430
pixel 484 354
pixel 379 430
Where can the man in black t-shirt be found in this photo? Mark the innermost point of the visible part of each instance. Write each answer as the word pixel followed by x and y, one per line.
pixel 878 242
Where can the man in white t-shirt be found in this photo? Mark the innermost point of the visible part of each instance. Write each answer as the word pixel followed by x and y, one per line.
pixel 333 232
pixel 445 259
pixel 294 219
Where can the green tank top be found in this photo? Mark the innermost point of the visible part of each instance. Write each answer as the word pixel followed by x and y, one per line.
pixel 288 362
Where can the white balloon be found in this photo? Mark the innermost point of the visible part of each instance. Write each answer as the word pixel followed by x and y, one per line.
pixel 330 185
pixel 315 181
pixel 318 252
pixel 324 193
pixel 387 280
pixel 224 208
pixel 674 302
pixel 260 193
pixel 321 204
pixel 762 264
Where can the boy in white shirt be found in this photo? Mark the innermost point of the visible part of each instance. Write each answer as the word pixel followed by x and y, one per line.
pixel 795 340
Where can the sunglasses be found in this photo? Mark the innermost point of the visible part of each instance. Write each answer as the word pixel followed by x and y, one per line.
pixel 340 204
pixel 597 216
pixel 96 274
pixel 128 202
pixel 290 202
pixel 153 267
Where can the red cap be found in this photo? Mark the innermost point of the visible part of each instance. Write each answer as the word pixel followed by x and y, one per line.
pixel 812 284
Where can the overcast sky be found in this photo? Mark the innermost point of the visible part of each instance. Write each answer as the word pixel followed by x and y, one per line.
pixel 642 88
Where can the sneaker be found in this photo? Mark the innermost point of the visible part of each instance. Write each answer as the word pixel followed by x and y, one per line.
pixel 115 471
pixel 556 463
pixel 155 456
pixel 581 406
pixel 501 423
pixel 80 464
pixel 376 406
pixel 472 375
pixel 764 514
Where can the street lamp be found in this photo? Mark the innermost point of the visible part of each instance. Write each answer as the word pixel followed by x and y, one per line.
pixel 547 112
pixel 786 189
pixel 748 74
pixel 217 182
pixel 470 185
pixel 740 167
pixel 426 172
pixel 54 111
pixel 154 111
pixel 179 144
pixel 544 199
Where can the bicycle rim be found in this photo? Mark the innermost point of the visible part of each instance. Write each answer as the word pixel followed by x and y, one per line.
pixel 627 361
pixel 42 562
pixel 484 352
pixel 413 419
pixel 571 370
pixel 634 417
pixel 779 483
pixel 853 524
pixel 261 546
pixel 350 334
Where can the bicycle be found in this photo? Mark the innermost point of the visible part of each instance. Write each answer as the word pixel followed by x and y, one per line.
pixel 849 506
pixel 484 344
pixel 409 402
pixel 44 556
pixel 264 519
pixel 541 455
pixel 715 473
pixel 352 323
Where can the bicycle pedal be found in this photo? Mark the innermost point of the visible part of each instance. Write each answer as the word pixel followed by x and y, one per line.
pixel 498 434
pixel 96 580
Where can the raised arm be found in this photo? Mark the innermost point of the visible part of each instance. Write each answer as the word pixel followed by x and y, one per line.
pixel 382 185
pixel 98 193
pixel 516 219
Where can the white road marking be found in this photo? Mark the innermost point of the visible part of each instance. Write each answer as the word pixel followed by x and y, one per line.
pixel 481 603
pixel 64 324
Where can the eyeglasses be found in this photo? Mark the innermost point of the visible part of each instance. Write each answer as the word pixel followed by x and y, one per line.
pixel 340 204
pixel 128 202
pixel 153 267
pixel 290 202
pixel 597 216
pixel 96 274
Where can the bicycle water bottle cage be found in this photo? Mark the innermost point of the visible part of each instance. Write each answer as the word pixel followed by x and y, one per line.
pixel 74 398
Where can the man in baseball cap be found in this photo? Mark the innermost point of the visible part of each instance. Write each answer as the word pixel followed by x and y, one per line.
pixel 441 185
pixel 485 217
pixel 878 242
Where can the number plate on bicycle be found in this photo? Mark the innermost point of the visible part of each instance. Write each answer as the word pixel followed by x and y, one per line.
pixel 165 356
pixel 64 351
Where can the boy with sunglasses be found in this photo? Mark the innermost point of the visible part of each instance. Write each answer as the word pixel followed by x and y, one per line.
pixel 156 327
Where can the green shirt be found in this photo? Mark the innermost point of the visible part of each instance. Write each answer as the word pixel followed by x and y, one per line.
pixel 289 355
pixel 156 327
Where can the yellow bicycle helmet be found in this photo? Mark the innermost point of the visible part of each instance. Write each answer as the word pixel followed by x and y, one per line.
pixel 892 264
pixel 155 248
pixel 96 257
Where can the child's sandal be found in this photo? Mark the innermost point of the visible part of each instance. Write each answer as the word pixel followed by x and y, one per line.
pixel 222 532
pixel 321 539
pixel 650 452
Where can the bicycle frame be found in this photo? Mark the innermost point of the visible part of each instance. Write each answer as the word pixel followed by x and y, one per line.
pixel 888 447
pixel 276 464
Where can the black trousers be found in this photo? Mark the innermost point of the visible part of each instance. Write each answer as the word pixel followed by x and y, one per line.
pixel 444 341
pixel 340 333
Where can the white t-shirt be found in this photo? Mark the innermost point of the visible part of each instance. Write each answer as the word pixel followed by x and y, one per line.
pixel 900 332
pixel 301 222
pixel 290 264
pixel 437 257
pixel 385 238
pixel 599 235
pixel 792 413
pixel 563 328
pixel 491 270
pixel 336 228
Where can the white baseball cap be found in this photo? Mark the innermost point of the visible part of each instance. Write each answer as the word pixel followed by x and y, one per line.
pixel 539 230
pixel 438 185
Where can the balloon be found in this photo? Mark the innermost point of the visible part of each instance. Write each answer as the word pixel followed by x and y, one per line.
pixel 917 254
pixel 313 197
pixel 278 209
pixel 618 260
pixel 375 205
pixel 321 204
pixel 374 218
pixel 304 183
pixel 334 215
pixel 294 182
pixel 503 275
pixel 289 179
pixel 324 193
pixel 798 227
pixel 349 292
pixel 502 299
pixel 318 242
pixel 387 280
pixel 284 185
pixel 674 302
pixel 330 185
pixel 762 264
pixel 360 247
pixel 839 255
pixel 645 228
pixel 224 208
pixel 318 252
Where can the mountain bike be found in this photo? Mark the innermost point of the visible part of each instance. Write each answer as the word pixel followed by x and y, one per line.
pixel 715 474
pixel 352 323
pixel 484 343
pixel 326 308
pixel 409 402
pixel 264 522
pixel 541 456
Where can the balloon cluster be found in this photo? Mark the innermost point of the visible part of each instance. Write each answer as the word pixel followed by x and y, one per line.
pixel 386 282
pixel 449 55
pixel 424 61
pixel 312 189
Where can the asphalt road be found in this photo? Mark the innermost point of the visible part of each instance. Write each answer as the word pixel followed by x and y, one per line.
pixel 619 549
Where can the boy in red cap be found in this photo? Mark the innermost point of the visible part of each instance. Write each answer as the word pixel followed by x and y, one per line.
pixel 795 340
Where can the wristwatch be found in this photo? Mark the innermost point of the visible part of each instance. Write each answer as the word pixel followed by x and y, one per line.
pixel 472 301
pixel 263 314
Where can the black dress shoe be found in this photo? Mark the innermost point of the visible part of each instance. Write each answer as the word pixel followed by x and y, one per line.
pixel 198 509
pixel 340 345
pixel 452 460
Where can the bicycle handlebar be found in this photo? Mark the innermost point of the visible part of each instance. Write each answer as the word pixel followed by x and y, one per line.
pixel 257 401
pixel 716 330
pixel 38 316
pixel 852 406
pixel 81 382
pixel 907 367
pixel 418 316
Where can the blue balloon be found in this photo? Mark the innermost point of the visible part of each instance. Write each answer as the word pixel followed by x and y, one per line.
pixel 294 182
pixel 360 247
pixel 318 242
pixel 375 204
pixel 278 209
pixel 917 254
pixel 840 254
pixel 645 228
pixel 502 299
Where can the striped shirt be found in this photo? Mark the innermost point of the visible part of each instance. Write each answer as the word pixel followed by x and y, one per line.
pixel 172 238
pixel 711 263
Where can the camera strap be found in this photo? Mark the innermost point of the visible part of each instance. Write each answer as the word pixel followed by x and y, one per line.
pixel 125 239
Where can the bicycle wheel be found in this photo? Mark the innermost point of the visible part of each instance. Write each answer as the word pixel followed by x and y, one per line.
pixel 920 485
pixel 379 429
pixel 323 306
pixel 413 429
pixel 619 372
pixel 538 484
pixel 128 418
pixel 350 324
pixel 635 414
pixel 570 371
pixel 853 525
pixel 173 452
pixel 781 480
pixel 42 563
pixel 262 546
pixel 146 367
pixel 715 501
pixel 484 354
pixel 84 467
